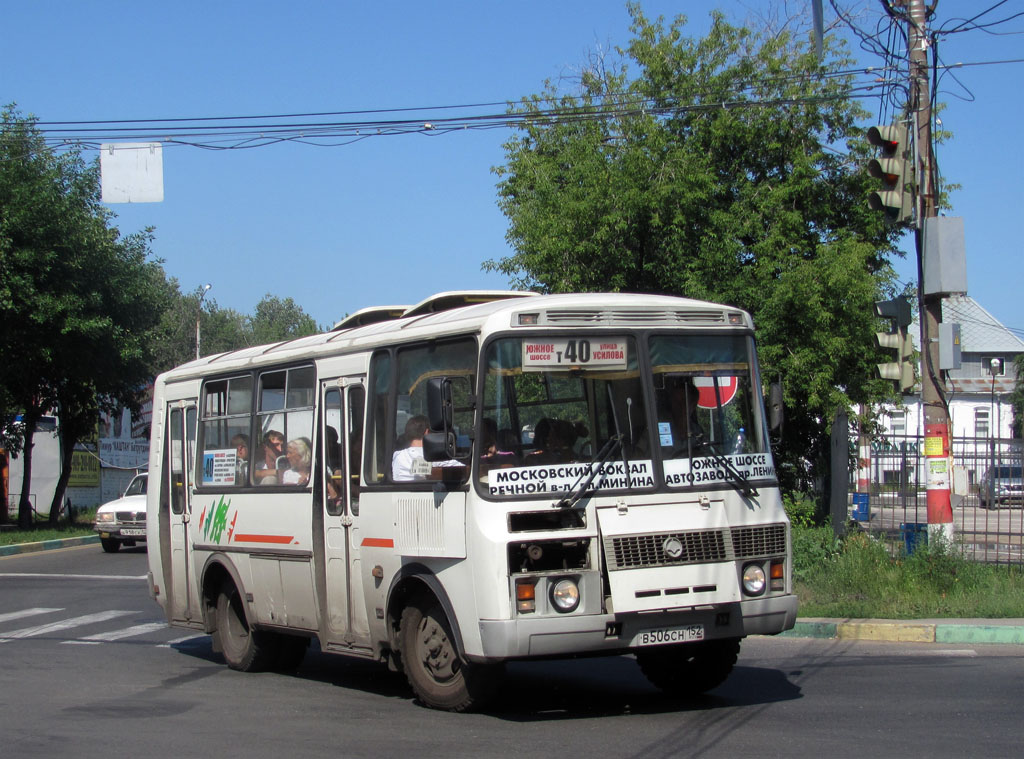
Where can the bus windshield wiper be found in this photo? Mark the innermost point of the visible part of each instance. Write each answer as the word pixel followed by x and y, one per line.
pixel 738 480
pixel 582 486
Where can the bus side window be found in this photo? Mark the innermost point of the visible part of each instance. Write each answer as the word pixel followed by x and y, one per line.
pixel 356 404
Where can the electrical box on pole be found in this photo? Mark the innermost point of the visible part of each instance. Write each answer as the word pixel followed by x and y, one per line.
pixel 894 167
pixel 900 371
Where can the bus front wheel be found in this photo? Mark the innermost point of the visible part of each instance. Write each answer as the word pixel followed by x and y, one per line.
pixel 689 669
pixel 436 672
pixel 243 648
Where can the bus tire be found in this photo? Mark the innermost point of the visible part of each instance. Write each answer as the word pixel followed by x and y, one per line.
pixel 110 545
pixel 437 674
pixel 689 669
pixel 243 648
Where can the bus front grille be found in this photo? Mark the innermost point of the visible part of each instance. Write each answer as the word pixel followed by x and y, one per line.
pixel 693 547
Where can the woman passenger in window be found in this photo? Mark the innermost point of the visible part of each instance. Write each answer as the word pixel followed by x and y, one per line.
pixel 300 462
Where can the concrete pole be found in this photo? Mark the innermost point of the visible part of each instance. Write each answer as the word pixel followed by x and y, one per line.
pixel 938 443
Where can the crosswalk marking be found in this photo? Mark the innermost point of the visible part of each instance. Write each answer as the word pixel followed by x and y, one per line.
pixel 93 639
pixel 176 641
pixel 127 632
pixel 11 615
pixel 64 624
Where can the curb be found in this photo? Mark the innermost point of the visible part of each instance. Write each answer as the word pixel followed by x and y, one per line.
pixel 48 545
pixel 1006 632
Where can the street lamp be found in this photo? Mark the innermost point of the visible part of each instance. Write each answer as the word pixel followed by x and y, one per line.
pixel 199 312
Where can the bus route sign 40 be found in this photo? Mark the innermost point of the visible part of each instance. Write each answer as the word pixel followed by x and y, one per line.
pixel 598 353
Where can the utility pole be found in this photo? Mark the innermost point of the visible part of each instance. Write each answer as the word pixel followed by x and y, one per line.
pixel 199 313
pixel 933 392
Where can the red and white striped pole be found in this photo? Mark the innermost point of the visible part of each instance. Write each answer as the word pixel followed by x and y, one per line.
pixel 938 474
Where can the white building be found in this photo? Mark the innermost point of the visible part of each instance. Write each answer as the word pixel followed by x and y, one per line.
pixel 978 392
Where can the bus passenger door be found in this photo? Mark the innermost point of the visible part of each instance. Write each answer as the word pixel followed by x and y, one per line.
pixel 181 446
pixel 342 434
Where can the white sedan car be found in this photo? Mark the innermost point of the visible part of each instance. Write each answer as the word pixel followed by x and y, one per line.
pixel 123 521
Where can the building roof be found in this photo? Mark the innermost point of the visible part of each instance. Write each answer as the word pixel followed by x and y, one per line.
pixel 980 332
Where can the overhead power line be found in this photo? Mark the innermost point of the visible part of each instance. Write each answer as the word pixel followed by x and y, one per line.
pixel 339 128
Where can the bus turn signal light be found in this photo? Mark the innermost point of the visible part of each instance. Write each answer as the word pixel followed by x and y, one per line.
pixel 526 597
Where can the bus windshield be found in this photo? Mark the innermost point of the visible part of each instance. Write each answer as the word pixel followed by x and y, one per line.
pixel 553 406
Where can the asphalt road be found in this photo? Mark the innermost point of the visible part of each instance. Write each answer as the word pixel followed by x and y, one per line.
pixel 87 669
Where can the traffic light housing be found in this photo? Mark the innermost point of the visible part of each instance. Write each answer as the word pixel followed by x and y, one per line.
pixel 901 371
pixel 894 167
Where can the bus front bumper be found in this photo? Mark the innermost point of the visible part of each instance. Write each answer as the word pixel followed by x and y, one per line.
pixel 526 637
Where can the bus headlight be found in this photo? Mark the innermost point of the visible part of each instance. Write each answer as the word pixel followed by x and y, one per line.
pixel 565 595
pixel 753 579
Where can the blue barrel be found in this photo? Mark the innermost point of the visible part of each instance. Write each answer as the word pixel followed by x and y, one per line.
pixel 914 534
pixel 861 507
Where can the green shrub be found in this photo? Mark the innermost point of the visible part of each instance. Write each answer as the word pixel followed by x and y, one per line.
pixel 813 549
pixel 801 510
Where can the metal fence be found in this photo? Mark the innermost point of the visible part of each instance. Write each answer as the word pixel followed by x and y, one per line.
pixel 987 524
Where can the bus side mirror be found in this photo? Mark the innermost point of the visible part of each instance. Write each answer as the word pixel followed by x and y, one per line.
pixel 439 441
pixel 439 404
pixel 775 412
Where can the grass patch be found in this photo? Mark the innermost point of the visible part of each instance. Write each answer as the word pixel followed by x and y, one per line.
pixel 862 577
pixel 42 530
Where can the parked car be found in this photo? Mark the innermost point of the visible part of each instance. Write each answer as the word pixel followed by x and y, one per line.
pixel 123 521
pixel 1001 485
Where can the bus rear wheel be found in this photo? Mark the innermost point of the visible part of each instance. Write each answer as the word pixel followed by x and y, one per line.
pixel 689 669
pixel 243 648
pixel 438 675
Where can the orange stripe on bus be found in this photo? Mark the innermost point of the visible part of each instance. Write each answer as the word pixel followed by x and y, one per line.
pixel 378 542
pixel 262 538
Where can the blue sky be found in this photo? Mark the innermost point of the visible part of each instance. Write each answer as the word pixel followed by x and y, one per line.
pixel 394 219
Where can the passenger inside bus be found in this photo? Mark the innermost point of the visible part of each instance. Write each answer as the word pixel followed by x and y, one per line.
pixel 241 443
pixel 682 434
pixel 299 462
pixel 553 441
pixel 495 454
pixel 407 463
pixel 267 458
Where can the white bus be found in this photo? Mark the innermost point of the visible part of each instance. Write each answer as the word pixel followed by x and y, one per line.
pixel 482 477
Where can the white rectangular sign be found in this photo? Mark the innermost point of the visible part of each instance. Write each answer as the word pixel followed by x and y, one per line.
pixel 706 471
pixel 584 353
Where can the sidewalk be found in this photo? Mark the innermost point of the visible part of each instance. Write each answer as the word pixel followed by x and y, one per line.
pixel 1001 631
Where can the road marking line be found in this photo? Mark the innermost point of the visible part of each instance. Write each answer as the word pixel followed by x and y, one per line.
pixel 126 632
pixel 65 624
pixel 25 613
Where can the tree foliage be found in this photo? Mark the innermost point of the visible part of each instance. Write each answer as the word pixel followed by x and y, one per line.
pixel 727 168
pixel 78 302
pixel 223 329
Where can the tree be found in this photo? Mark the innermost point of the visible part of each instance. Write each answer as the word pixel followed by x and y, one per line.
pixel 223 329
pixel 276 319
pixel 728 168
pixel 78 301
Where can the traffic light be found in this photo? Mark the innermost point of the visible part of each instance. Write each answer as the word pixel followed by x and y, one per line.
pixel 895 168
pixel 901 371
